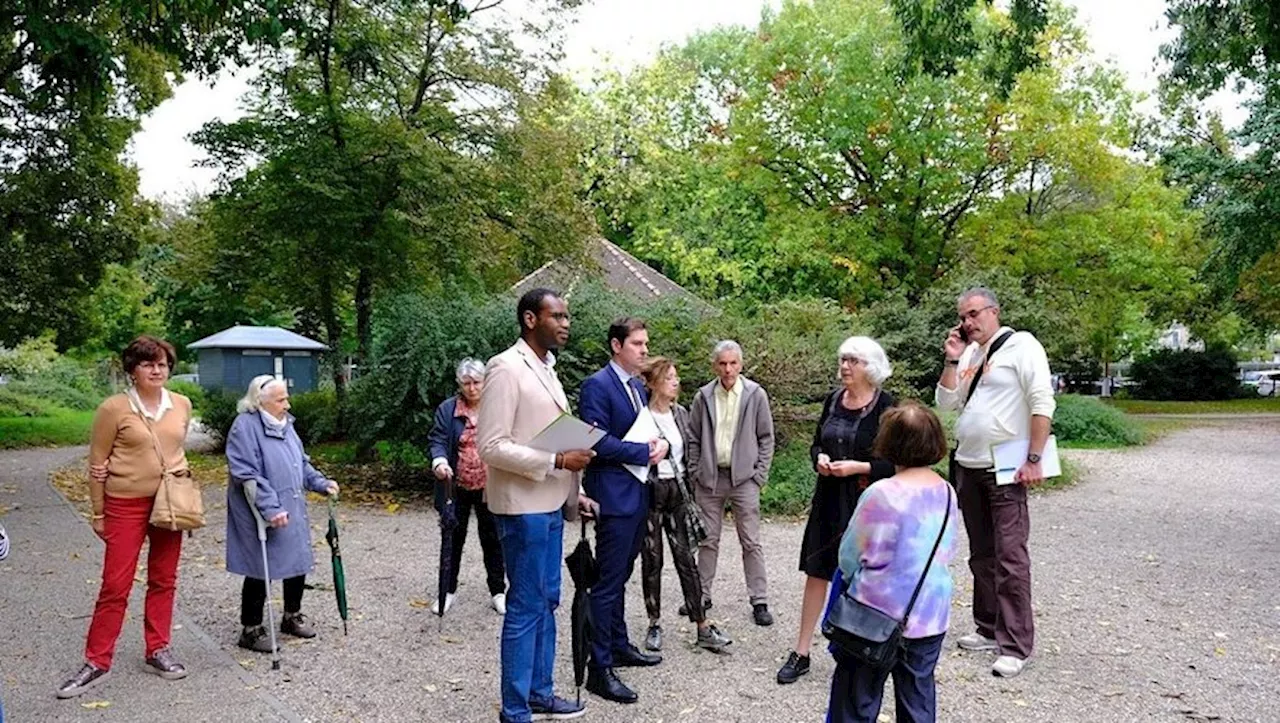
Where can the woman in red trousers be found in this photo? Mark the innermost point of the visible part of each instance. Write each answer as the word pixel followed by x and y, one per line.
pixel 137 435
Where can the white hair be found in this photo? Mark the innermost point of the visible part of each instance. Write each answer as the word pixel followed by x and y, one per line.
pixel 871 354
pixel 258 389
pixel 981 292
pixel 724 346
pixel 470 369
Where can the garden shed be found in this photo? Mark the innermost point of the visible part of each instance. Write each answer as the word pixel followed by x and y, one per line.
pixel 232 357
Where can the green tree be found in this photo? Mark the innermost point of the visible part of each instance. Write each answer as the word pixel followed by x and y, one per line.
pixel 393 146
pixel 75 78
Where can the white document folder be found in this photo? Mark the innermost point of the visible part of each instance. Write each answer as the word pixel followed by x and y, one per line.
pixel 1009 456
pixel 642 430
pixel 566 432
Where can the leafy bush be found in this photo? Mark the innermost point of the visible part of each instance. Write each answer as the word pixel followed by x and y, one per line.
pixel 31 357
pixel 1088 420
pixel 1167 374
pixel 55 393
pixel 190 390
pixel 791 481
pixel 218 412
pixel 315 416
pixel 13 404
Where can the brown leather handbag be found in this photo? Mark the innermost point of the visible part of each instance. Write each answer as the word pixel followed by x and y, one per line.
pixel 178 506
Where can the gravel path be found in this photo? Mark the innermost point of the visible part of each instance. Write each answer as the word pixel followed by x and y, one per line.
pixel 1154 583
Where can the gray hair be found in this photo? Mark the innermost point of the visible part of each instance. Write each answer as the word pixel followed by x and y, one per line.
pixel 871 354
pixel 258 388
pixel 986 294
pixel 724 346
pixel 470 368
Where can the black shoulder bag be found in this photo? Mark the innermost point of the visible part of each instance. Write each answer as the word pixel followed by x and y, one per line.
pixel 867 635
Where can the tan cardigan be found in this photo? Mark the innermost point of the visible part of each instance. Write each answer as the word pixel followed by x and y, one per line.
pixel 120 438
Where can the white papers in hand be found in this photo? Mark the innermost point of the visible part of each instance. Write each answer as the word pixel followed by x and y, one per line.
pixel 642 430
pixel 566 432
pixel 1009 456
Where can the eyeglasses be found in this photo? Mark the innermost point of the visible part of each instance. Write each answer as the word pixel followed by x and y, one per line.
pixel 975 313
pixel 148 365
pixel 852 360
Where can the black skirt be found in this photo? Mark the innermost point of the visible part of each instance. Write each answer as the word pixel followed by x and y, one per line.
pixel 834 499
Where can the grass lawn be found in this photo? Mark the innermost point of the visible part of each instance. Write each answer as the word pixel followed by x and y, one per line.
pixel 1257 405
pixel 60 428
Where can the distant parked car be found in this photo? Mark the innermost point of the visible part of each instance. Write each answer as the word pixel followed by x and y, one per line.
pixel 1264 382
pixel 193 378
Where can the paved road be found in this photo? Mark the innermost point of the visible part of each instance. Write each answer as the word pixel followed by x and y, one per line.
pixel 47 589
pixel 1155 584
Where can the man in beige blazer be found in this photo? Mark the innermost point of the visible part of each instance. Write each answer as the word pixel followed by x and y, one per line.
pixel 530 492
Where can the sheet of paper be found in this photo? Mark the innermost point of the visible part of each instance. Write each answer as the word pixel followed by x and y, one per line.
pixel 642 430
pixel 1009 456
pixel 566 432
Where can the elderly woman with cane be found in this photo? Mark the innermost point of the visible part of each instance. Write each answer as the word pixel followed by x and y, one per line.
pixel 265 452
pixel 456 461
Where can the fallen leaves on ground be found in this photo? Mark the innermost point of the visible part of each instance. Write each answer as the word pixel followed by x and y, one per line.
pixel 96 704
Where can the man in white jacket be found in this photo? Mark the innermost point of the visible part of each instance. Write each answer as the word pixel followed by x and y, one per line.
pixel 998 379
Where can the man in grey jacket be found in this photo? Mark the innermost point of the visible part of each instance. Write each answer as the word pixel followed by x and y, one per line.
pixel 730 450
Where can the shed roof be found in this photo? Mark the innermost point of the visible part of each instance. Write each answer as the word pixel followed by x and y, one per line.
pixel 258 337
pixel 618 269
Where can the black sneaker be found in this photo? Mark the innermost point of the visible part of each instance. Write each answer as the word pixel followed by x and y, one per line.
pixel 796 666
pixel 653 639
pixel 87 678
pixel 255 638
pixel 762 616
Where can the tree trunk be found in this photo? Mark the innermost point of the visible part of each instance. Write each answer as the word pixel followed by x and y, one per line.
pixel 333 330
pixel 364 314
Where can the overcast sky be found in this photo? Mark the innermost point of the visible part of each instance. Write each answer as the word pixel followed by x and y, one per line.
pixel 619 33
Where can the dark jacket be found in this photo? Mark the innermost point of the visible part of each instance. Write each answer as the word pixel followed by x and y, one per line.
pixel 682 423
pixel 444 438
pixel 859 448
pixel 604 402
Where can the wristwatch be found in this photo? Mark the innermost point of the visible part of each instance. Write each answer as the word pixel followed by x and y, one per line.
pixel 1033 458
pixel 952 362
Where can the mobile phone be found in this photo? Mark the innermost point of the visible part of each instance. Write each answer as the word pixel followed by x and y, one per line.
pixel 964 335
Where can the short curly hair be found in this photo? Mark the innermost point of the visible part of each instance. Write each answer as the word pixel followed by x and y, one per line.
pixel 147 348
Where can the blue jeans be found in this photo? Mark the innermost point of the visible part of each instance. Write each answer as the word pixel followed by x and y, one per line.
pixel 532 546
pixel 856 690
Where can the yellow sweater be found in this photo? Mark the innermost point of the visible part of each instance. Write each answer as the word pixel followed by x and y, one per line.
pixel 121 439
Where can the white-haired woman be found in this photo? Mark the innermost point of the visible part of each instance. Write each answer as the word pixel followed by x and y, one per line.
pixel 264 450
pixel 842 457
pixel 455 459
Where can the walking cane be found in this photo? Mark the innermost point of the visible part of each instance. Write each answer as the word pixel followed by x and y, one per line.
pixel 251 494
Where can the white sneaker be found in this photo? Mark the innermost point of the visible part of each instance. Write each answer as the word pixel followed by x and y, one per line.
pixel 976 641
pixel 448 603
pixel 499 603
pixel 1007 666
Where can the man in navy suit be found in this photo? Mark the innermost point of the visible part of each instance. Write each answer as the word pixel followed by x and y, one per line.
pixel 611 399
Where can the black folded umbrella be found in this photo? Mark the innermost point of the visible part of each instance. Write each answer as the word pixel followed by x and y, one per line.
pixel 448 521
pixel 585 573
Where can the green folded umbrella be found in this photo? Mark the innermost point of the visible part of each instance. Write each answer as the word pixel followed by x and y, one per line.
pixel 339 575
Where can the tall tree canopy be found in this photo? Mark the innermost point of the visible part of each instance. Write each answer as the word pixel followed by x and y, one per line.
pixel 395 144
pixel 75 78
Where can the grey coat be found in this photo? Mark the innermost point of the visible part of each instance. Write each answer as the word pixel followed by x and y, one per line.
pixel 752 442
pixel 274 460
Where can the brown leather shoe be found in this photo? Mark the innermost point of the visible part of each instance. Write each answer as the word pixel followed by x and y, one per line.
pixel 87 678
pixel 164 664
pixel 297 625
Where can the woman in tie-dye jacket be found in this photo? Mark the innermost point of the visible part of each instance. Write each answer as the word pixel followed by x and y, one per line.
pixel 885 548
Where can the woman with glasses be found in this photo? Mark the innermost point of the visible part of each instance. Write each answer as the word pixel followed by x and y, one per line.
pixel 843 459
pixel 137 436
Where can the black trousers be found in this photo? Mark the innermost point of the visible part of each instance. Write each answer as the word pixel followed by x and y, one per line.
pixel 464 501
pixel 254 595
pixel 666 513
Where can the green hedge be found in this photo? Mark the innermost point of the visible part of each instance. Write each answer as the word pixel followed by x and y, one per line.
pixel 190 390
pixel 1187 375
pixel 56 393
pixel 1088 421
pixel 315 416
pixel 13 404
